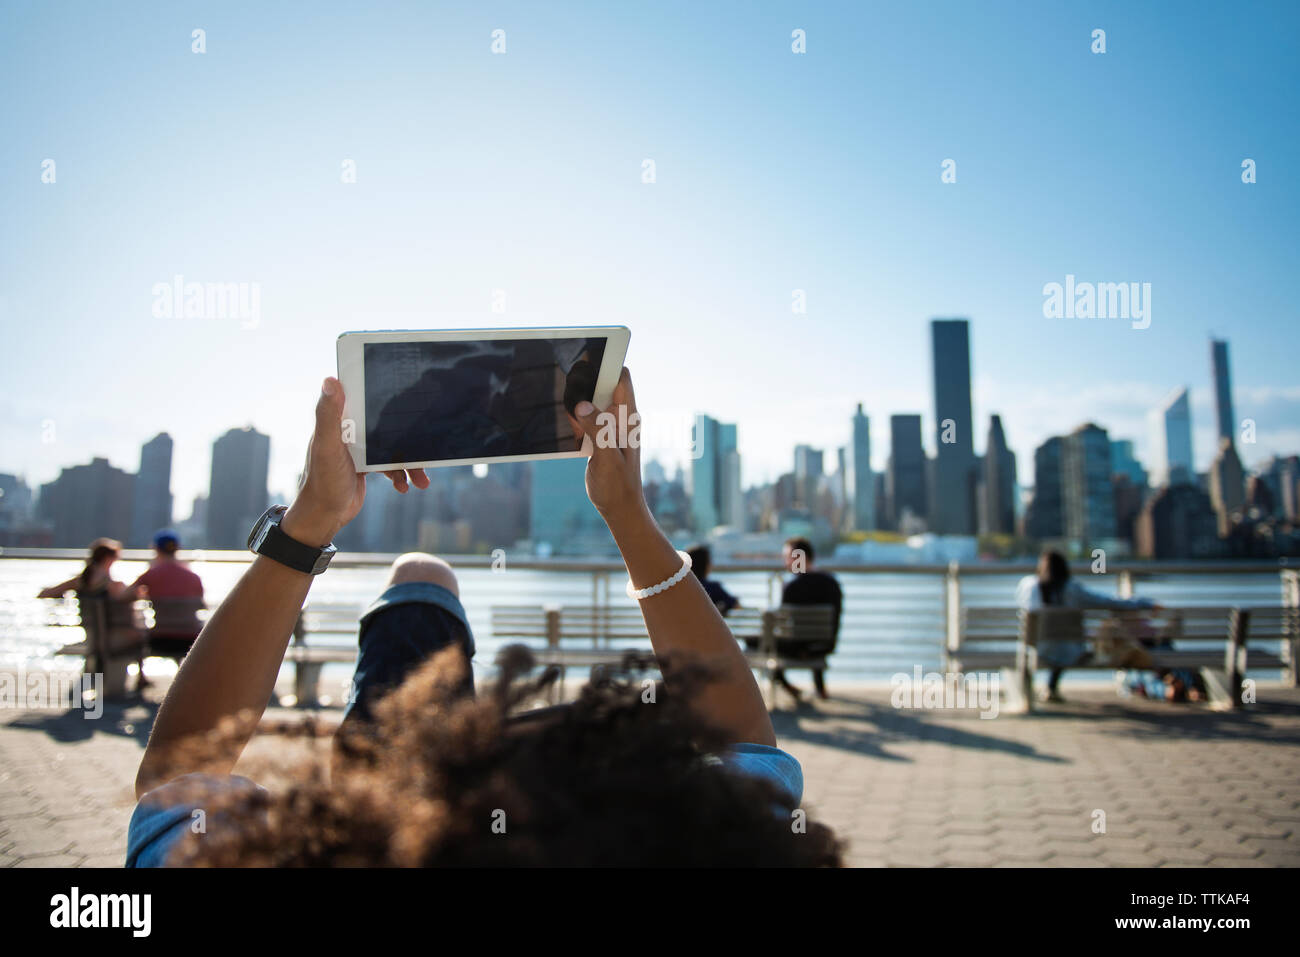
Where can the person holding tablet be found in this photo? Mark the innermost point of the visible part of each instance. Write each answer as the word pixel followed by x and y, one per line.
pixel 430 773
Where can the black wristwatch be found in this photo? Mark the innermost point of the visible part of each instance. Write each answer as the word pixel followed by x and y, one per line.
pixel 268 539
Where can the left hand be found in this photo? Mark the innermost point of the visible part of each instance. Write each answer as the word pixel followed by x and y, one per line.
pixel 332 489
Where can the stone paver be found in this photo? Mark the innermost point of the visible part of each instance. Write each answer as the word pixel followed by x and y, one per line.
pixel 1176 786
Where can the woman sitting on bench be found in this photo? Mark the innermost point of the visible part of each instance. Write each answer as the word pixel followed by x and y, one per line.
pixel 429 774
pixel 1053 587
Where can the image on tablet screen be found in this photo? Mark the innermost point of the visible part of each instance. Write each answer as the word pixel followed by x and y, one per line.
pixel 431 401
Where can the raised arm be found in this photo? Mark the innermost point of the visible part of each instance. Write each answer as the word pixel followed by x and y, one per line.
pixel 232 667
pixel 1087 598
pixel 682 621
pixel 61 589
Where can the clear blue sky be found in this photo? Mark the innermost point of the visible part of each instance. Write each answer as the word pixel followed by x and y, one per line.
pixel 522 172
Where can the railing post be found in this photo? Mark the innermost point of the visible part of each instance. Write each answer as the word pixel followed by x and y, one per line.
pixel 1125 583
pixel 952 607
pixel 1291 625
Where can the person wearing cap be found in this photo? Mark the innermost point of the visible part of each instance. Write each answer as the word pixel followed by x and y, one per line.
pixel 176 593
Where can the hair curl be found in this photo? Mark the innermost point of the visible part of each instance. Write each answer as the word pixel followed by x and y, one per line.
pixel 619 777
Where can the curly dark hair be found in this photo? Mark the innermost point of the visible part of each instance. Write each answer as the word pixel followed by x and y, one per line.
pixel 619 777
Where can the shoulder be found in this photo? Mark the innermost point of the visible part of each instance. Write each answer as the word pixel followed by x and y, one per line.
pixel 1026 590
pixel 767 763
pixel 165 813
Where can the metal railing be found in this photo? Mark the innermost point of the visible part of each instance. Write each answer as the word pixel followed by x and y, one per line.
pixel 895 616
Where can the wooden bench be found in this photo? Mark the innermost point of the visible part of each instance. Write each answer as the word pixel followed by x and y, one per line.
pixel 337 619
pixel 118 633
pixel 587 636
pixel 1211 640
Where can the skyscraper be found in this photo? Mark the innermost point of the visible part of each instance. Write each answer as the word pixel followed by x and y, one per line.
pixel 952 504
pixel 153 497
pixel 562 519
pixel 1124 462
pixel 1227 477
pixel 237 495
pixel 1222 388
pixel 861 485
pixel 905 475
pixel 715 475
pixel 1172 440
pixel 1227 484
pixel 87 502
pixel 808 470
pixel 1045 517
pixel 999 482
pixel 1087 495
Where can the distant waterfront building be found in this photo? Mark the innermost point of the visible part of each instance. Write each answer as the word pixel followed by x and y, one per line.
pixel 1281 476
pixel 237 495
pixel 999 484
pixel 15 502
pixel 905 474
pixel 1172 440
pixel 1045 515
pixel 715 475
pixel 952 502
pixel 861 483
pixel 808 471
pixel 87 502
pixel 1177 522
pixel 17 526
pixel 562 519
pixel 153 496
pixel 1124 462
pixel 1227 484
pixel 1087 496
pixel 1128 504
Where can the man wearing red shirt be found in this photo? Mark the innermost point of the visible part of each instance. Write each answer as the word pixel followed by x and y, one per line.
pixel 176 594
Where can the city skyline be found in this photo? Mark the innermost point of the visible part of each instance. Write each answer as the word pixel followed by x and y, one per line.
pixel 1073 495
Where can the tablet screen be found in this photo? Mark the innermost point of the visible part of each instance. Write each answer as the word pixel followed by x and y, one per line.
pixel 430 401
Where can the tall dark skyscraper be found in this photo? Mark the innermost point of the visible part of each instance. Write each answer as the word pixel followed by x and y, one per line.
pixel 905 485
pixel 1222 388
pixel 153 496
pixel 999 482
pixel 861 486
pixel 952 502
pixel 238 494
pixel 1227 476
pixel 1045 518
pixel 1088 497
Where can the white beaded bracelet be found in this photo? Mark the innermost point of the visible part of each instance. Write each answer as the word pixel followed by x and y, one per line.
pixel 667 583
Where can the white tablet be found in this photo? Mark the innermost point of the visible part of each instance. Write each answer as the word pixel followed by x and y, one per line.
pixel 427 398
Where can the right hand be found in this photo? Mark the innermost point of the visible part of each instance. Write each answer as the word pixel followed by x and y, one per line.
pixel 613 472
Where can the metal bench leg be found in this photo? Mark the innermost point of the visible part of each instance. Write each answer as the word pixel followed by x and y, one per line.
pixel 306 683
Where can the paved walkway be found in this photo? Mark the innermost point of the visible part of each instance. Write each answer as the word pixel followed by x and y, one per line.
pixel 1178 786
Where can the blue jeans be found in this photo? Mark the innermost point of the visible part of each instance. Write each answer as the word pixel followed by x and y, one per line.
pixel 406 626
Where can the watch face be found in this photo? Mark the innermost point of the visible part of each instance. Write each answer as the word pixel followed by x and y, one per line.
pixel 258 535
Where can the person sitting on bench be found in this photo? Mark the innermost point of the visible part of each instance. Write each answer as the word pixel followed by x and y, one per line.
pixel 176 592
pixel 809 587
pixel 701 561
pixel 1052 587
